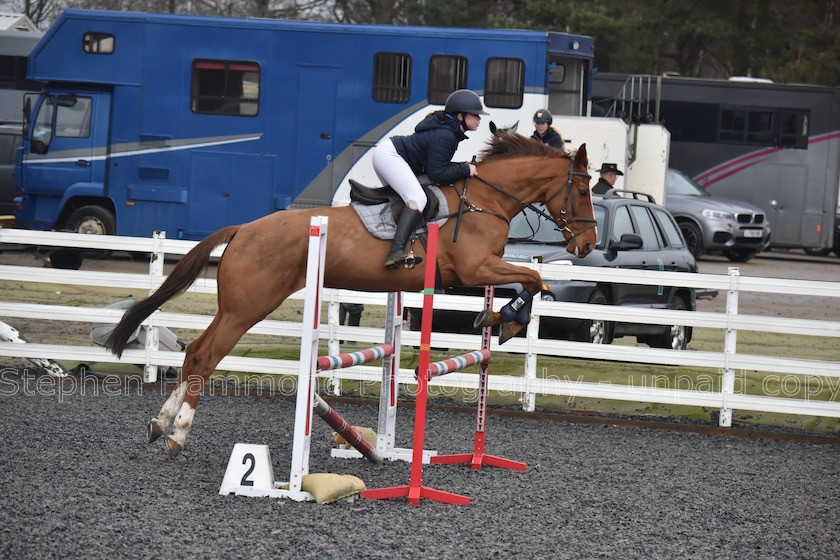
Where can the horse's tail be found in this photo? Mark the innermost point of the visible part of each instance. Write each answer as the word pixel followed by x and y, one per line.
pixel 181 278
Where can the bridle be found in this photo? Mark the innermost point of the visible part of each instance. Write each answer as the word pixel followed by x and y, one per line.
pixel 561 223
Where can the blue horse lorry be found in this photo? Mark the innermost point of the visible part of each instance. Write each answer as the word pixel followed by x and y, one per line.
pixel 187 124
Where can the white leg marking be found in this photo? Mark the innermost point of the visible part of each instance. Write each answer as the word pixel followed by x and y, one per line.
pixel 172 404
pixel 182 423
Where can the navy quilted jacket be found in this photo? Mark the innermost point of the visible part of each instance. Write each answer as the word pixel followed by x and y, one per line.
pixel 430 149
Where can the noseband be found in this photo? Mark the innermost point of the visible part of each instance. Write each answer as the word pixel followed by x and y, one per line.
pixel 562 223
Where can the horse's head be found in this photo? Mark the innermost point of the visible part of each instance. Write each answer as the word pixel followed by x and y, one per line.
pixel 534 172
pixel 571 205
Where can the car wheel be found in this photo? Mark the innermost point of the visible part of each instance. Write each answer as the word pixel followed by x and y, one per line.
pixel 92 219
pixel 675 337
pixel 739 255
pixel 693 238
pixel 814 252
pixel 596 331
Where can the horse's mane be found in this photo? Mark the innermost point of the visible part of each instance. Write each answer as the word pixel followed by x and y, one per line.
pixel 507 144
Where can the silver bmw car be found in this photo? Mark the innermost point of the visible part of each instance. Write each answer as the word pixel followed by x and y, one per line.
pixel 712 225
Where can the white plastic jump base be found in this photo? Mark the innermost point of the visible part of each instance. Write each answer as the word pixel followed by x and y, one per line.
pixel 393 454
pixel 250 472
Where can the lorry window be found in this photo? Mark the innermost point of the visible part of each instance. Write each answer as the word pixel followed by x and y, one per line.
pixel 94 42
pixel 391 77
pixel 504 85
pixel 743 126
pixel 793 129
pixel 73 119
pixel 42 130
pixel 225 87
pixel 446 74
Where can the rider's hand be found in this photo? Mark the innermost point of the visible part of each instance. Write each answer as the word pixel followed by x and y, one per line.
pixel 473 170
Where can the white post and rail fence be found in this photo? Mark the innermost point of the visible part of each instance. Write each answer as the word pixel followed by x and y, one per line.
pixel 726 362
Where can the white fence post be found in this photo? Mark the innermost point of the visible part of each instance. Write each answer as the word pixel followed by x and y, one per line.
pixel 156 260
pixel 727 385
pixel 529 397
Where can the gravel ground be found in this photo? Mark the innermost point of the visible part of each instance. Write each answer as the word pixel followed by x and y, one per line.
pixel 80 480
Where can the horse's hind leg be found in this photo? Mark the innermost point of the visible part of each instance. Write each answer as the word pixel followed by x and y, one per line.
pixel 202 357
pixel 157 426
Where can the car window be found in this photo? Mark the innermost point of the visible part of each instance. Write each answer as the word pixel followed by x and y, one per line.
pixel 623 224
pixel 651 238
pixel 7 148
pixel 671 231
pixel 679 183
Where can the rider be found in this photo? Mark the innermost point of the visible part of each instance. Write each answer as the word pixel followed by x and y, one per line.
pixel 544 132
pixel 399 159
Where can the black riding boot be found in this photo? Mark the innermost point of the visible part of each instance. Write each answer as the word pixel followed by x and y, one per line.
pixel 405 227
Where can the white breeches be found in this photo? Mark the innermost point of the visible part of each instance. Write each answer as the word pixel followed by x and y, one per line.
pixel 393 170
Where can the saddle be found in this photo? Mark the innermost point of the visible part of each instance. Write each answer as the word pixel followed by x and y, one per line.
pixel 372 196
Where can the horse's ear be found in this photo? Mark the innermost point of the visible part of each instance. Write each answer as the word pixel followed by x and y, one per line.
pixel 580 156
pixel 493 128
pixel 515 126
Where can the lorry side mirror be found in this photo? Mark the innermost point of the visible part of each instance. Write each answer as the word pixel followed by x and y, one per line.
pixel 67 101
pixel 38 147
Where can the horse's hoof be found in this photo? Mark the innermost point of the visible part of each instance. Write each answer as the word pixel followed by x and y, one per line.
pixel 154 429
pixel 486 318
pixel 174 447
pixel 508 330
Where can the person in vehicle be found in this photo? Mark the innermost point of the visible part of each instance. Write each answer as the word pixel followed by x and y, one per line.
pixel 398 160
pixel 544 132
pixel 609 174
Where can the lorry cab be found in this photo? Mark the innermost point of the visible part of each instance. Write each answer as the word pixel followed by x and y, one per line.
pixel 62 165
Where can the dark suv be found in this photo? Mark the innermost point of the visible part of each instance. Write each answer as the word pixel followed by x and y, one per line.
pixel 633 232
pixel 10 139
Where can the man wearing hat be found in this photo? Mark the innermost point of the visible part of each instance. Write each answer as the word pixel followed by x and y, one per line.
pixel 609 173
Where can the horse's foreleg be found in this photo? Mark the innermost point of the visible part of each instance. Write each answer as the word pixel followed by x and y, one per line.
pixel 157 426
pixel 515 314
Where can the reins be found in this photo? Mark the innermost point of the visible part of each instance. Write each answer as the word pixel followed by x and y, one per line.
pixel 562 224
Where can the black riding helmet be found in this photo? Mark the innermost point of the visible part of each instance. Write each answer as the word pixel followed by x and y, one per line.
pixel 543 116
pixel 464 101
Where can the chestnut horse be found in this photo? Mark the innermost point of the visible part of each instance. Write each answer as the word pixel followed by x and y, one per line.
pixel 265 260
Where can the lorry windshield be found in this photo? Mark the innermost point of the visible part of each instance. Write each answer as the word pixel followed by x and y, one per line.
pixel 72 120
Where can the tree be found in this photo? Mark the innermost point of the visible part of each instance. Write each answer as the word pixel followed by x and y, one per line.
pixel 778 39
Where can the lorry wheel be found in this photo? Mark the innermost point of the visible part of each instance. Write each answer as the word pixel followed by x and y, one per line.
pixel 91 219
pixel 817 252
pixel 693 238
